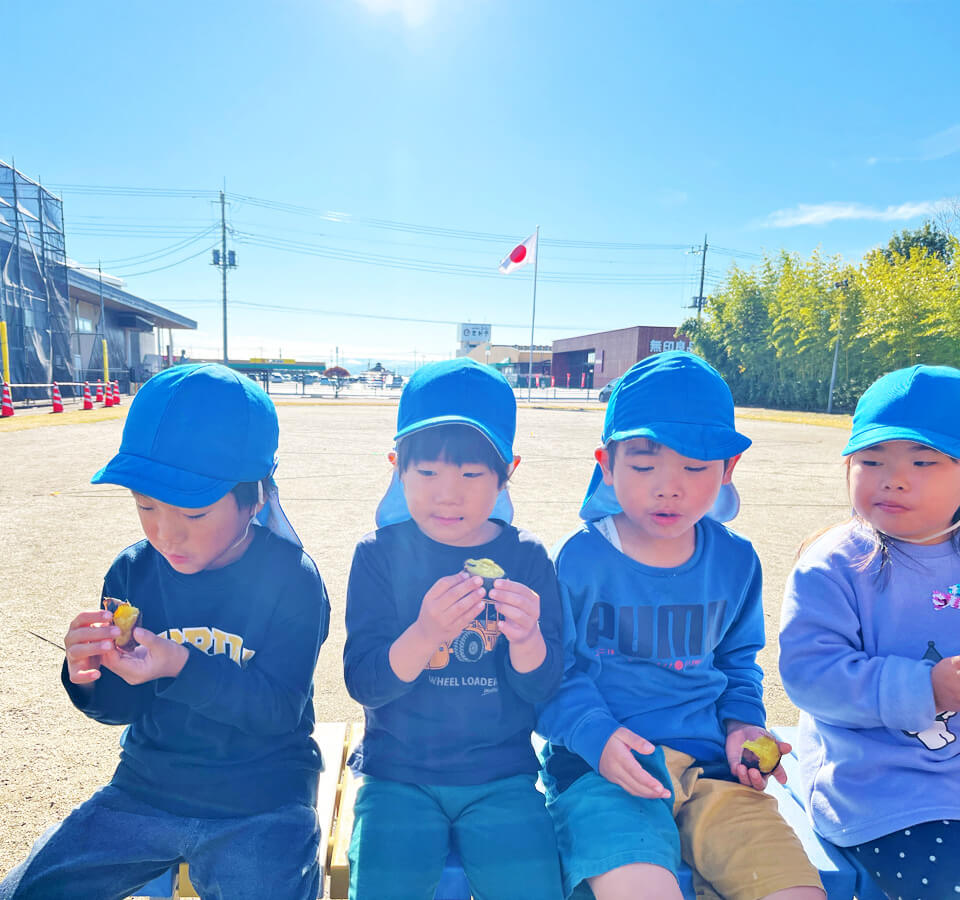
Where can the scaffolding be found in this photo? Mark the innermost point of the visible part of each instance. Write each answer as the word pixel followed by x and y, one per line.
pixel 34 299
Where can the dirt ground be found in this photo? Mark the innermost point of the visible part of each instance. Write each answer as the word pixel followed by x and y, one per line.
pixel 59 534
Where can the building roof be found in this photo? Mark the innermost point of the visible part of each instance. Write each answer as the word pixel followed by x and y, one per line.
pixel 82 280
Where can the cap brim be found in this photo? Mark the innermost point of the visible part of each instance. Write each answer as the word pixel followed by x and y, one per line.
pixel 164 483
pixel 601 501
pixel 689 439
pixel 393 507
pixel 505 453
pixel 878 434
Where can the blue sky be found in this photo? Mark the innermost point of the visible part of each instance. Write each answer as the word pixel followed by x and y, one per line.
pixel 381 156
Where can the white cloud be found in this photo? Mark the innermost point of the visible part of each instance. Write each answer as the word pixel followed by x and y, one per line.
pixel 944 143
pixel 824 213
pixel 936 146
pixel 414 12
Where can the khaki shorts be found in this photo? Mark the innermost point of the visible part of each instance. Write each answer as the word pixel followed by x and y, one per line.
pixel 733 836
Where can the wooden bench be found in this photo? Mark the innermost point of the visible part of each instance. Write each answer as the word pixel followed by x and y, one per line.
pixel 819 849
pixel 843 877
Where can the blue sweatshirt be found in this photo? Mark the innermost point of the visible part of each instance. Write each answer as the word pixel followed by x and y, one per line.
pixel 667 652
pixel 468 717
pixel 856 650
pixel 230 735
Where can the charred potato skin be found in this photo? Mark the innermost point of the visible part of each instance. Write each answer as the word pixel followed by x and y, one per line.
pixel 121 611
pixel 770 750
pixel 479 566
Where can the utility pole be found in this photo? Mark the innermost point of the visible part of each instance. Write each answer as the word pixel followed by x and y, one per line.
pixel 223 261
pixel 699 300
pixel 843 283
pixel 223 270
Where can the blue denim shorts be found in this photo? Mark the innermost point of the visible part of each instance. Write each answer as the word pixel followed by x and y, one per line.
pixel 601 827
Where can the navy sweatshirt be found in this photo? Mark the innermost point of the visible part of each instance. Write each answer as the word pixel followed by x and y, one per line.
pixel 230 735
pixel 467 718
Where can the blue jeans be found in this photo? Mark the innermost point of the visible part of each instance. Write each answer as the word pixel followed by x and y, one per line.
pixel 403 833
pixel 112 845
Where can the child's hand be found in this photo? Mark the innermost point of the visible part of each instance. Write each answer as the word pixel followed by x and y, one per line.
pixel 737 733
pixel 449 606
pixel 520 625
pixel 617 764
pixel 945 677
pixel 88 641
pixel 153 657
pixel 520 608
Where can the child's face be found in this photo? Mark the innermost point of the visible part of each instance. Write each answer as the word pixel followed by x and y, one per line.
pixel 904 489
pixel 192 540
pixel 452 503
pixel 663 494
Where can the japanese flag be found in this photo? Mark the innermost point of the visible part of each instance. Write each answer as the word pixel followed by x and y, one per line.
pixel 520 255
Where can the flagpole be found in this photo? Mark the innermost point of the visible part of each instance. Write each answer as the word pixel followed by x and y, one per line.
pixel 533 315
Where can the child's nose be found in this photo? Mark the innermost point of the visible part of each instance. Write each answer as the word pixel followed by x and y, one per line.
pixel 447 490
pixel 169 529
pixel 668 487
pixel 895 478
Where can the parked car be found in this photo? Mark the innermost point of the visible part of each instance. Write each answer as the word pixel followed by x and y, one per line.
pixel 607 390
pixel 276 377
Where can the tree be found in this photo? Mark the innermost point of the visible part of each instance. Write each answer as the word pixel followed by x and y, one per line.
pixel 928 237
pixel 773 331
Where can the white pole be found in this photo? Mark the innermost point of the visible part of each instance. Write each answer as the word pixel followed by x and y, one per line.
pixel 533 315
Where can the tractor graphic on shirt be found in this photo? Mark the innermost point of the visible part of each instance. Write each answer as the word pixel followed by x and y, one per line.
pixel 478 638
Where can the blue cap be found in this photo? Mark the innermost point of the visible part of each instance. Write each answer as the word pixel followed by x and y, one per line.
pixel 454 392
pixel 918 404
pixel 678 400
pixel 460 392
pixel 192 433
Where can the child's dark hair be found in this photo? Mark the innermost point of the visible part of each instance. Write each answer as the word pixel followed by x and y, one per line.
pixel 247 494
pixel 454 443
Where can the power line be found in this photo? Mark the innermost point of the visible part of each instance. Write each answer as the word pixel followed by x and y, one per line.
pixel 349 218
pixel 159 254
pixel 169 265
pixel 422 265
pixel 275 307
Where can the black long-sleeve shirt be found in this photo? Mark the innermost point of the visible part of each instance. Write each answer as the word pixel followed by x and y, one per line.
pixel 467 718
pixel 230 735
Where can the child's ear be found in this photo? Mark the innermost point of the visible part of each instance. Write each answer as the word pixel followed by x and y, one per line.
pixel 729 467
pixel 602 456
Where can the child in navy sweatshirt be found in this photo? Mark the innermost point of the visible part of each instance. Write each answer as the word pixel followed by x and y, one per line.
pixel 218 767
pixel 453 634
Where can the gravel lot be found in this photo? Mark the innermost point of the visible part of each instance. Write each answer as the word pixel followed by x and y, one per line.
pixel 59 534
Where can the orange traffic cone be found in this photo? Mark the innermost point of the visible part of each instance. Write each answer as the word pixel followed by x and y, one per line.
pixel 7 409
pixel 57 400
pixel 99 397
pixel 116 393
pixel 87 401
pixel 107 395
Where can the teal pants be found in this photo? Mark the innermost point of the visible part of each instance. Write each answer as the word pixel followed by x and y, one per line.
pixel 403 833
